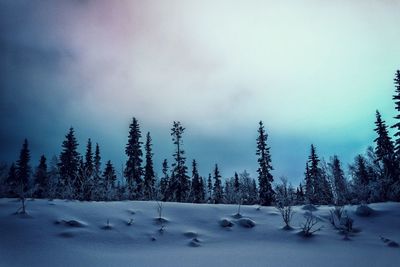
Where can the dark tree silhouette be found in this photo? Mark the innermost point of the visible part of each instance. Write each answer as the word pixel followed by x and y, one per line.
pixel 164 182
pixel 384 151
pixel 109 179
pixel 23 173
pixel 41 179
pixel 179 184
pixel 217 188
pixel 396 126
pixel 196 184
pixel 133 169
pixel 149 175
pixel 68 166
pixel 97 177
pixel 265 178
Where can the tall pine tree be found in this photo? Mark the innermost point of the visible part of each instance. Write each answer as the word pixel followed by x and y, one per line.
pixel 384 151
pixel 41 179
pixel 133 168
pixel 69 166
pixel 217 188
pixel 109 179
pixel 149 175
pixel 179 183
pixel 164 181
pixel 396 126
pixel 265 178
pixel 196 189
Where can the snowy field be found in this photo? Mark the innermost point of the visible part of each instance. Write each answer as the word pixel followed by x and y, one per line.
pixel 73 233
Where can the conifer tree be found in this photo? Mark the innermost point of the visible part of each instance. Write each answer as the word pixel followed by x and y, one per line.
pixel 209 187
pixel 339 181
pixel 309 194
pixel 265 178
pixel 361 178
pixel 12 179
pixel 23 173
pixel 318 189
pixel 236 183
pixel 149 175
pixel 109 179
pixel 89 159
pixel 179 183
pixel 41 179
pixel 164 182
pixel 217 188
pixel 396 126
pixel 133 169
pixel 23 167
pixel 196 184
pixel 95 190
pixel 68 166
pixel 384 151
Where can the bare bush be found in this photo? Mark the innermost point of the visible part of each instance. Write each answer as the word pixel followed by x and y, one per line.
pixel 287 215
pixel 310 225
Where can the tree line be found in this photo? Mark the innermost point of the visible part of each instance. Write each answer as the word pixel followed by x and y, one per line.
pixel 372 177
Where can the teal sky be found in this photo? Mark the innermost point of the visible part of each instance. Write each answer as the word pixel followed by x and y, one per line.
pixel 313 71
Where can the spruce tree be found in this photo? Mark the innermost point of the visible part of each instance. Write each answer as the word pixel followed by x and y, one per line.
pixel 69 166
pixel 236 183
pixel 41 179
pixel 396 126
pixel 149 175
pixel 217 188
pixel 133 169
pixel 23 173
pixel 179 179
pixel 361 178
pixel 384 152
pixel 164 182
pixel 318 189
pixel 209 188
pixel 309 194
pixel 89 159
pixel 23 169
pixel 339 181
pixel 109 179
pixel 95 191
pixel 12 181
pixel 196 184
pixel 265 178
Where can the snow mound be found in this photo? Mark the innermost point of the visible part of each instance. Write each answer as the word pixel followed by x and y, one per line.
pixel 72 223
pixel 364 211
pixel 237 216
pixel 246 222
pixel 191 234
pixel 310 207
pixel 194 242
pixel 225 223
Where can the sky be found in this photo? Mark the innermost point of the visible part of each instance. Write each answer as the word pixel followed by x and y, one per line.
pixel 312 71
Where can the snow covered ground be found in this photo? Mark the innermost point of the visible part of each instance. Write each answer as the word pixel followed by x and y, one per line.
pixel 73 233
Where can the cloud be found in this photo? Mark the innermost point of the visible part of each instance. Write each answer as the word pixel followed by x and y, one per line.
pixel 312 71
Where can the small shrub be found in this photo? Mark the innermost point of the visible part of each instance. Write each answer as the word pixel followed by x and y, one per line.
pixel 310 225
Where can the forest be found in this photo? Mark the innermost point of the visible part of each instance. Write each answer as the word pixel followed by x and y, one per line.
pixel 372 177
